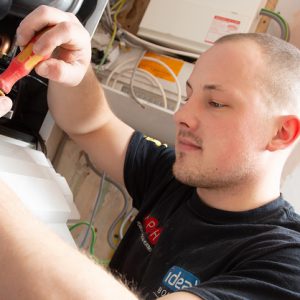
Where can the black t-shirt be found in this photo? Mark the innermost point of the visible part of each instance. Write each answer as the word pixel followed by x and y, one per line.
pixel 179 243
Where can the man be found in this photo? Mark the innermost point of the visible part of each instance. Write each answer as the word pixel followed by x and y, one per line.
pixel 211 223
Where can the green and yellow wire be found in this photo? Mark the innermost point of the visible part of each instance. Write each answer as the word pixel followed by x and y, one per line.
pixel 118 6
pixel 93 231
pixel 284 26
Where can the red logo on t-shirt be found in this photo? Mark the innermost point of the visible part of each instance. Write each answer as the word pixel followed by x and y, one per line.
pixel 152 229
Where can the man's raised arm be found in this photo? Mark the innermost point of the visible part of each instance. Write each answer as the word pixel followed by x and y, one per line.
pixel 75 97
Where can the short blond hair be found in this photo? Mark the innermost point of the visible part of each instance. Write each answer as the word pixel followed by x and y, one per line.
pixel 281 80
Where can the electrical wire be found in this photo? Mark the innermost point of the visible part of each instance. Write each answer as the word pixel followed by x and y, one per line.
pixel 147 75
pixel 95 209
pixel 116 4
pixel 132 92
pixel 111 230
pixel 38 80
pixel 117 68
pixel 93 231
pixel 125 221
pixel 114 32
pixel 179 92
pixel 108 14
pixel 133 39
pixel 141 73
pixel 106 20
pixel 103 262
pixel 124 209
pixel 127 36
pixel 120 66
pixel 284 27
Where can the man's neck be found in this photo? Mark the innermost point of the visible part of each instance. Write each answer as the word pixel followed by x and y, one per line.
pixel 242 197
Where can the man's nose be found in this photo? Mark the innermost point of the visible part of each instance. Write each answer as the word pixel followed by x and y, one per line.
pixel 187 115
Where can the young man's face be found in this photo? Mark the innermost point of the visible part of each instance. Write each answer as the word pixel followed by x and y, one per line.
pixel 224 127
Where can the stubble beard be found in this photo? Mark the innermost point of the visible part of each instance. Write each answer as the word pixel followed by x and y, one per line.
pixel 211 178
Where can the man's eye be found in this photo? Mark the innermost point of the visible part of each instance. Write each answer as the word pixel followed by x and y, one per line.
pixel 216 104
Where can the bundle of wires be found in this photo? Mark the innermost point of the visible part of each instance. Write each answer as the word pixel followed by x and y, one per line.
pixel 117 7
pixel 111 24
pixel 103 262
pixel 122 68
pixel 98 201
pixel 131 39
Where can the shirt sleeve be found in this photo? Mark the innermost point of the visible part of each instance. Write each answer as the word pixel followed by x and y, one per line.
pixel 147 164
pixel 270 277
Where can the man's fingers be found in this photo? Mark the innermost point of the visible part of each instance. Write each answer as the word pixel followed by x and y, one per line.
pixel 5 105
pixel 66 40
pixel 69 35
pixel 43 16
pixel 57 70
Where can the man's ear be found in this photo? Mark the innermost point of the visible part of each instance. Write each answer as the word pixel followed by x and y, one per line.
pixel 288 130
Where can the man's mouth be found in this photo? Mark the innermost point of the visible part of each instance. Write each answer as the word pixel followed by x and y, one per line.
pixel 185 144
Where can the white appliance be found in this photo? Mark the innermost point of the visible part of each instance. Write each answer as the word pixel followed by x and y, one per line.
pixel 28 172
pixel 43 191
pixel 195 24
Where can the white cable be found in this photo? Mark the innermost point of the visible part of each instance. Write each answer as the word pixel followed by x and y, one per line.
pixel 172 74
pixel 131 85
pixel 125 73
pixel 159 48
pixel 146 75
pixel 108 16
pixel 163 94
pixel 118 67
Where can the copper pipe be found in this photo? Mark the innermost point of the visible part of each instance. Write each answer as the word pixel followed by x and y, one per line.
pixel 4 44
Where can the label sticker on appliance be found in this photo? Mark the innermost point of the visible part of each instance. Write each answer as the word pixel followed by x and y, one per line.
pixel 221 26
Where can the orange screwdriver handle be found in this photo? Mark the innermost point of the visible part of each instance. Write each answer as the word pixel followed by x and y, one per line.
pixel 21 65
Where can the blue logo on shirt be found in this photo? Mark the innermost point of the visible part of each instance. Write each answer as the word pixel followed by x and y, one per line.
pixel 177 279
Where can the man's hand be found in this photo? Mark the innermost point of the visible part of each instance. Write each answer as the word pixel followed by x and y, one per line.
pixel 67 40
pixel 5 105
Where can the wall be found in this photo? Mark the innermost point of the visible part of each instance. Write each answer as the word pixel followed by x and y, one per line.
pixel 290 10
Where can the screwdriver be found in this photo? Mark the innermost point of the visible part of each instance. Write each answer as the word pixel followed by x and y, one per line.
pixel 21 65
